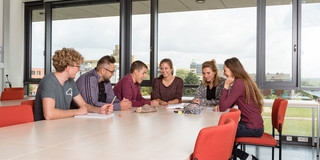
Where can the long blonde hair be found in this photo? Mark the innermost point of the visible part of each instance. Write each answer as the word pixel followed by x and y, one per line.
pixel 250 86
pixel 212 65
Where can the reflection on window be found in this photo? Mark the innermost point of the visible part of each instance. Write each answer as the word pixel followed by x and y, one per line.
pixel 310 33
pixel 141 32
pixel 279 42
pixel 298 119
pixel 192 33
pixel 92 30
pixel 37 61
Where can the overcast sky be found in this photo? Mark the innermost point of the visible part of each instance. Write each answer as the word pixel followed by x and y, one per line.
pixel 194 36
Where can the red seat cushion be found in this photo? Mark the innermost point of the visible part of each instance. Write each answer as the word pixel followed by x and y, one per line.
pixel 265 139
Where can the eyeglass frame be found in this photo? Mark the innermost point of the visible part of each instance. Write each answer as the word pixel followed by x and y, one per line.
pixel 110 70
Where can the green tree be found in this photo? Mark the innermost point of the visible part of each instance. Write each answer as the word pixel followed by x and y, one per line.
pixel 191 78
pixel 181 73
pixel 145 91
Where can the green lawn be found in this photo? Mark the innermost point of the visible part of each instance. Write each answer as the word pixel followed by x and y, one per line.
pixel 297 122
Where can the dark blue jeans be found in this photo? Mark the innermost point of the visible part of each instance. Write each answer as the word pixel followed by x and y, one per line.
pixel 244 131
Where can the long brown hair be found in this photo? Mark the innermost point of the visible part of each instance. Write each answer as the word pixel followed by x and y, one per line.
pixel 212 65
pixel 250 86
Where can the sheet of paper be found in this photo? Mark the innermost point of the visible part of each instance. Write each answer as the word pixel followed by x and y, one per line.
pixel 176 106
pixel 95 115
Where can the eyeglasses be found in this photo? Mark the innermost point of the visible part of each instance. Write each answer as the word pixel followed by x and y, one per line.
pixel 109 70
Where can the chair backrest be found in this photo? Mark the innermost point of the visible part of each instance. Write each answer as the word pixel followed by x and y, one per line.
pixel 28 102
pixel 12 115
pixel 279 108
pixel 215 142
pixel 234 114
pixel 12 95
pixel 14 89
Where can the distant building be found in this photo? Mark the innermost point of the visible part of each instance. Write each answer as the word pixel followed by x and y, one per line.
pixel 37 73
pixel 197 67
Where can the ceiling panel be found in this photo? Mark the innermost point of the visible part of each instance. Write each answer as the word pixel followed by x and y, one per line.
pixel 142 7
pixel 239 3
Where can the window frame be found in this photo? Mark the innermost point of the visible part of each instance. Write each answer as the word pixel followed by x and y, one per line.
pixel 125 43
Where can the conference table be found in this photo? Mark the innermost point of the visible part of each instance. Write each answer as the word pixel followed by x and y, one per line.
pixel 127 135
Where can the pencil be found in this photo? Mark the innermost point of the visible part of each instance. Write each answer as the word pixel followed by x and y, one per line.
pixel 113 99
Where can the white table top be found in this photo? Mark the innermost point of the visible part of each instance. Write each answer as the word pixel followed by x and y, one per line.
pixel 14 102
pixel 159 135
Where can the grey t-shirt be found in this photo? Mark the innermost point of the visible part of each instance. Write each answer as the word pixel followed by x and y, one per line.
pixel 50 87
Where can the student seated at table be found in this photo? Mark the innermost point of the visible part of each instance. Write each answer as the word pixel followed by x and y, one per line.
pixel 209 90
pixel 167 89
pixel 129 86
pixel 245 93
pixel 95 86
pixel 56 90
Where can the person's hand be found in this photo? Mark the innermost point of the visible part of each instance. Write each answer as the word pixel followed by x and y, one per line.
pixel 106 109
pixel 216 108
pixel 196 101
pixel 228 82
pixel 82 111
pixel 154 103
pixel 125 104
pixel 163 103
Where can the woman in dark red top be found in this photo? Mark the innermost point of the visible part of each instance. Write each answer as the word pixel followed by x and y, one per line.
pixel 167 89
pixel 245 93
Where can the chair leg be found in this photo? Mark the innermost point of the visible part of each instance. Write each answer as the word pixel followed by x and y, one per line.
pixel 280 150
pixel 272 153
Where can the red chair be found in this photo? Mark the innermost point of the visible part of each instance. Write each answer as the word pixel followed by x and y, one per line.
pixel 12 95
pixel 215 142
pixel 14 89
pixel 234 114
pixel 28 102
pixel 278 113
pixel 12 115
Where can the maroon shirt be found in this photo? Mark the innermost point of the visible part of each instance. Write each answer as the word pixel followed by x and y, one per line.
pixel 171 92
pixel 250 113
pixel 125 88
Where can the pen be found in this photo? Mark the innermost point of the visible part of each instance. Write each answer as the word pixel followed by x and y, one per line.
pixel 113 99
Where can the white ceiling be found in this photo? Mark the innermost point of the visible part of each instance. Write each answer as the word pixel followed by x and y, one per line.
pixel 143 7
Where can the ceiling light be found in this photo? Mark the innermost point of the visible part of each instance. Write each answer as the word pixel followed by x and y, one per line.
pixel 200 1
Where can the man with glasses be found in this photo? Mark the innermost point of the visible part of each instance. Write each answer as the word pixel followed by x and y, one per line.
pixel 95 86
pixel 56 90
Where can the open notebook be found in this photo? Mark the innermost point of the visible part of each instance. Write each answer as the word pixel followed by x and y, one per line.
pixel 95 115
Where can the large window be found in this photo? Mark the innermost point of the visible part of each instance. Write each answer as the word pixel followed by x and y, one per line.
pixel 37 56
pixel 279 42
pixel 141 32
pixel 193 33
pixel 93 30
pixel 310 36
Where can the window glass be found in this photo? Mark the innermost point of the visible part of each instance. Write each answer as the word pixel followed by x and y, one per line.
pixel 298 119
pixel 37 56
pixel 191 33
pixel 141 32
pixel 92 30
pixel 310 37
pixel 279 41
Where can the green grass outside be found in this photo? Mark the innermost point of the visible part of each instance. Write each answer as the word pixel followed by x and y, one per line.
pixel 294 123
